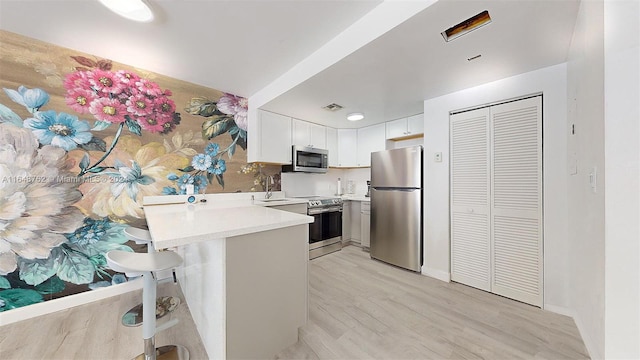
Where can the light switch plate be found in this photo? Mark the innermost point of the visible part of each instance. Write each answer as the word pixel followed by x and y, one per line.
pixel 437 157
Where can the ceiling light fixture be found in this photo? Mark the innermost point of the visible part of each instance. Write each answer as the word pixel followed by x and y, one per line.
pixel 355 116
pixel 467 26
pixel 136 10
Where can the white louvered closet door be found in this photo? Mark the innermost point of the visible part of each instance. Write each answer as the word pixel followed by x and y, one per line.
pixel 516 200
pixel 470 247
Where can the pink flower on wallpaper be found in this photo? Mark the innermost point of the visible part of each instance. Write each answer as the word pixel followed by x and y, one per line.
pixel 234 105
pixel 77 80
pixel 80 99
pixel 105 82
pixel 155 123
pixel 164 105
pixel 148 88
pixel 139 105
pixel 109 110
pixel 126 77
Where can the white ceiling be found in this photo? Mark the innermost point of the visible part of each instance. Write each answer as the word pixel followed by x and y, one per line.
pixel 240 46
pixel 391 77
pixel 237 46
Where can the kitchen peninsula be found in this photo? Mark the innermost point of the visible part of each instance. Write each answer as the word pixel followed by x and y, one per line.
pixel 244 276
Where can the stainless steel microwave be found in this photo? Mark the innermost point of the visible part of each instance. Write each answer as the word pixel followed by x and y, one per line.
pixel 307 159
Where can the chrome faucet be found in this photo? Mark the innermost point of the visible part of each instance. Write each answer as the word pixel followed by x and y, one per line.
pixel 268 181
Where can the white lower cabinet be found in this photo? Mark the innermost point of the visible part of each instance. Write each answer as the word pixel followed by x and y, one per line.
pixel 355 223
pixel 356 215
pixel 365 224
pixel 346 222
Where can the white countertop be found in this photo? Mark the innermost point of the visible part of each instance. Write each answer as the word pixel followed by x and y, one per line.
pixel 355 197
pixel 180 224
pixel 278 202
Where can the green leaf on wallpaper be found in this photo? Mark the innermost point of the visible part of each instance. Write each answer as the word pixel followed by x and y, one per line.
pixel 95 144
pixel 210 177
pixel 97 169
pixel 220 180
pixel 75 268
pixel 187 169
pixel 15 298
pixel 37 271
pixel 133 126
pixel 84 163
pixel 201 106
pixel 4 283
pixel 51 286
pixel 7 115
pixel 232 150
pixel 242 141
pixel 215 126
pixel 100 125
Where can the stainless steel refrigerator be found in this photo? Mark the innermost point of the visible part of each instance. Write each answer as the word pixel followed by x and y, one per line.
pixel 396 207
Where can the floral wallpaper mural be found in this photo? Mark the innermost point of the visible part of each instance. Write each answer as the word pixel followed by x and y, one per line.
pixel 82 141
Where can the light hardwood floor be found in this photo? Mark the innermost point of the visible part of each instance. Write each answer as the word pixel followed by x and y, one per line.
pixel 364 309
pixel 359 309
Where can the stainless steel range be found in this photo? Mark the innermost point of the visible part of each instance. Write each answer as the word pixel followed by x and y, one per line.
pixel 325 233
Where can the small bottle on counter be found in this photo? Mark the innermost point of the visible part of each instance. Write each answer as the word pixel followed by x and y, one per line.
pixel 339 189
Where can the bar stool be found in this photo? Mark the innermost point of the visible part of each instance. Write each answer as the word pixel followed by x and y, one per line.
pixel 134 317
pixel 145 265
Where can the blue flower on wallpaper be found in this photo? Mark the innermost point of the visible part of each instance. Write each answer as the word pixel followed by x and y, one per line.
pixel 218 167
pixel 201 162
pixel 32 99
pixel 212 149
pixel 128 178
pixel 61 130
pixel 199 183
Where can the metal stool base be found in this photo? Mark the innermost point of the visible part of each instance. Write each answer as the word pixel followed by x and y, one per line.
pixel 169 352
pixel 164 306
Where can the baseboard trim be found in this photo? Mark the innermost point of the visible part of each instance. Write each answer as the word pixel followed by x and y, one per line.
pixel 63 303
pixel 588 341
pixel 437 274
pixel 560 310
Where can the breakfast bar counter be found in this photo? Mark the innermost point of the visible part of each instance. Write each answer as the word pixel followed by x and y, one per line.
pixel 244 276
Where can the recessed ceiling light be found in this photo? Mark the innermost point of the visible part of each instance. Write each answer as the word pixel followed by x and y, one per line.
pixel 355 116
pixel 136 10
pixel 467 26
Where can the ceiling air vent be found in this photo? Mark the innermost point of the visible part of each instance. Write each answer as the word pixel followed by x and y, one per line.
pixel 467 26
pixel 333 107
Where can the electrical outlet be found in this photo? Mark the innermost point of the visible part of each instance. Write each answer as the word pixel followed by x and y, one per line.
pixel 437 157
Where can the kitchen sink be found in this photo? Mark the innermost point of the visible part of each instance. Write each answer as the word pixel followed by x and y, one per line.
pixel 272 200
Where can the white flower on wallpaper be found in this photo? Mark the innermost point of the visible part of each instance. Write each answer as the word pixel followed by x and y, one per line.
pixel 35 200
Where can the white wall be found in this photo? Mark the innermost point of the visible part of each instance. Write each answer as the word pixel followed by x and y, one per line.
pixel 551 81
pixel 585 92
pixel 622 173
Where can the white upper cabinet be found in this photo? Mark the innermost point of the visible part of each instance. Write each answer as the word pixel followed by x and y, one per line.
pixel 332 146
pixel 309 134
pixel 405 127
pixel 370 139
pixel 274 142
pixel 347 145
pixel 415 124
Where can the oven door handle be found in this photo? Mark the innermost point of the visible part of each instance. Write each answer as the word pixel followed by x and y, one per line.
pixel 324 210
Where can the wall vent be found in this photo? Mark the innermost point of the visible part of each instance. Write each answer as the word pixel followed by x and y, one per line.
pixel 333 107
